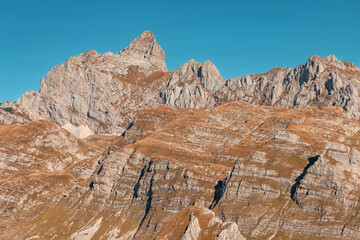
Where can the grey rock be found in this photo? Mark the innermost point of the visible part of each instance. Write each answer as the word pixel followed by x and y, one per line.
pixel 11 114
pixel 105 91
pixel 230 232
pixel 100 91
pixel 146 48
pixel 193 229
pixel 192 86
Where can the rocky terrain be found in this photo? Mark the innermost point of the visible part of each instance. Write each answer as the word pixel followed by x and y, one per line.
pixel 103 92
pixel 114 146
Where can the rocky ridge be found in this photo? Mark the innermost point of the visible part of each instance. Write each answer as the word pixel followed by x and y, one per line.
pixel 92 89
pixel 259 172
pixel 103 92
pixel 188 159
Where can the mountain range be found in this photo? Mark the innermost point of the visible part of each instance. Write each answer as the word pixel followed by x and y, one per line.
pixel 115 146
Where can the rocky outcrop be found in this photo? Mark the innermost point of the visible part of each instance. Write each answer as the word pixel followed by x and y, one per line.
pixel 191 162
pixel 103 92
pixel 220 173
pixel 193 230
pixel 146 48
pixel 40 163
pixel 318 83
pixel 100 91
pixel 11 114
pixel 192 86
pixel 202 224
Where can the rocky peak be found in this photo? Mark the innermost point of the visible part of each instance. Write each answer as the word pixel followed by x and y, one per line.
pixel 192 85
pixel 186 73
pixel 210 76
pixel 146 48
pixel 206 73
pixel 331 59
pixel 89 89
pixel 315 64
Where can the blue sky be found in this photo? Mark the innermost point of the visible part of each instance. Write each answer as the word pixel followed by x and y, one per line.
pixel 240 37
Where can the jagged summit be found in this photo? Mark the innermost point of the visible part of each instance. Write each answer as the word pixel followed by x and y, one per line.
pixel 331 61
pixel 104 92
pixel 191 85
pixel 332 58
pixel 196 156
pixel 146 47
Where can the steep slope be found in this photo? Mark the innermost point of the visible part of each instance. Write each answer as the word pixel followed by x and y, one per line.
pixel 264 173
pixel 282 163
pixel 146 48
pixel 318 83
pixel 40 163
pixel 193 85
pixel 100 91
pixel 103 92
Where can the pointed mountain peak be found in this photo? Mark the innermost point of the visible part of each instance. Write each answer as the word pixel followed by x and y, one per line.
pixel 335 61
pixel 332 58
pixel 209 69
pixel 314 58
pixel 145 47
pixel 315 62
pixel 210 65
pixel 147 34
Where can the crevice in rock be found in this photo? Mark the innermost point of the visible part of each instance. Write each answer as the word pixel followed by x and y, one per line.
pixel 137 185
pixel 100 169
pixel 220 188
pixel 343 230
pixel 130 126
pixel 294 188
pixel 148 202
pixel 219 191
pixel 329 85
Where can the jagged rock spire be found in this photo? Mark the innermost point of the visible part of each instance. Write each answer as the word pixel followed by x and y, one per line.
pixel 146 47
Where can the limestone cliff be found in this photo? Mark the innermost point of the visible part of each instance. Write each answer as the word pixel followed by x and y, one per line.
pixel 114 146
pixel 103 92
pixel 235 170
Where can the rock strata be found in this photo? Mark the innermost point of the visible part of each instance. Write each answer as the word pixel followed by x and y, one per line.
pixel 105 91
pixel 114 146
pixel 220 174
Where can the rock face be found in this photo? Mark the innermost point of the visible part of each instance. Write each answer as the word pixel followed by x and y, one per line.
pixel 235 171
pixel 105 91
pixel 191 86
pixel 11 114
pixel 318 83
pixel 39 164
pixel 100 91
pixel 146 48
pixel 189 160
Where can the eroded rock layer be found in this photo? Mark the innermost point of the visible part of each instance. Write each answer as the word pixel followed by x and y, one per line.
pixel 103 92
pixel 114 146
pixel 235 170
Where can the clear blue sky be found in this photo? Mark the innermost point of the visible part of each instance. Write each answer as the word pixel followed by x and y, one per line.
pixel 240 37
